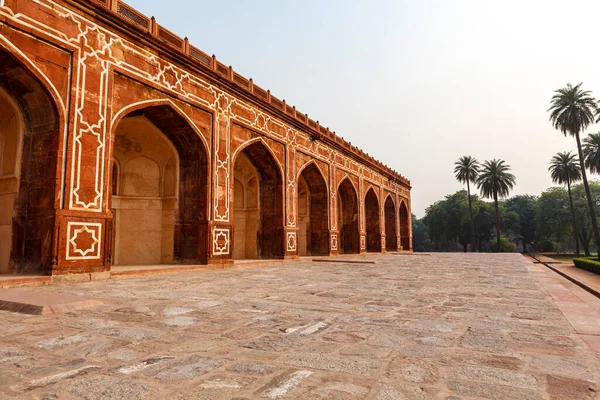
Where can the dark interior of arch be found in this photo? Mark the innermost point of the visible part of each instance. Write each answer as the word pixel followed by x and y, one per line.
pixel 270 232
pixel 33 212
pixel 318 231
pixel 391 243
pixel 372 222
pixel 190 244
pixel 404 231
pixel 348 219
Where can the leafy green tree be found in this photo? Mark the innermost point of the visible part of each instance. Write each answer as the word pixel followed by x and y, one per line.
pixel 495 180
pixel 565 169
pixel 448 220
pixel 466 170
pixel 552 216
pixel 484 224
pixel 591 151
pixel 420 235
pixel 572 110
pixel 524 206
pixel 584 222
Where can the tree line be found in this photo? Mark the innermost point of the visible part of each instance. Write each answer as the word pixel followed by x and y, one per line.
pixel 557 219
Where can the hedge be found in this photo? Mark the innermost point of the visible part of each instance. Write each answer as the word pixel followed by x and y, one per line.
pixel 587 264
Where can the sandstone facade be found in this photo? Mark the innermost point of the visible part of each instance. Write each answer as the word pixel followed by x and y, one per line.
pixel 121 143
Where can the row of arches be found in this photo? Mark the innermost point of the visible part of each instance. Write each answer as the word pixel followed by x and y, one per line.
pixel 159 190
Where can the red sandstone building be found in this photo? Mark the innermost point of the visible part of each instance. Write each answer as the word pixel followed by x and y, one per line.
pixel 121 143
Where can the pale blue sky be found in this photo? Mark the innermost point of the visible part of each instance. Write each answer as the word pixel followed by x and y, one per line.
pixel 416 84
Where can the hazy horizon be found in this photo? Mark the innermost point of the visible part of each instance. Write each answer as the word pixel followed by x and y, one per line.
pixel 416 84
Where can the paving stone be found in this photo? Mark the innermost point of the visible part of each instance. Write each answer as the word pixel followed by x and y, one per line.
pixel 171 311
pixel 432 340
pixel 188 369
pixel 180 321
pixel 432 325
pixel 272 343
pixel 49 380
pixel 563 366
pixel 350 365
pixel 104 387
pixel 63 341
pixel 483 340
pixel 402 391
pixel 561 388
pixel 252 368
pixel 493 392
pixel 499 376
pixel 10 354
pixel 412 370
pixel 130 333
pixel 280 386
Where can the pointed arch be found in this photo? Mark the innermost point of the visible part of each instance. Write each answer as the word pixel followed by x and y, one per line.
pixel 391 239
pixel 404 226
pixel 183 237
pixel 347 198
pixel 313 215
pixel 19 56
pixel 268 148
pixel 131 108
pixel 38 187
pixel 264 223
pixel 372 216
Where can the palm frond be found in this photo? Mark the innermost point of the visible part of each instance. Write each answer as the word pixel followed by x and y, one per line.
pixel 572 109
pixel 564 168
pixel 591 152
pixel 495 178
pixel 466 169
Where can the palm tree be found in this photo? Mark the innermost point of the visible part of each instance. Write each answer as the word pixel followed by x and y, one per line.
pixel 466 170
pixel 564 168
pixel 572 110
pixel 591 151
pixel 495 180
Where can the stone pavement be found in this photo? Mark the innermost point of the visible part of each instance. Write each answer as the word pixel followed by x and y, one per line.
pixel 444 326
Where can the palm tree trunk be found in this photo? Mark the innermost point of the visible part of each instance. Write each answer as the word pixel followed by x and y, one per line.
pixel 471 215
pixel 497 221
pixel 588 194
pixel 574 221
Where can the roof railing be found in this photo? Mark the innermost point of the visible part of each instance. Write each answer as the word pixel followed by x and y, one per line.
pixel 169 38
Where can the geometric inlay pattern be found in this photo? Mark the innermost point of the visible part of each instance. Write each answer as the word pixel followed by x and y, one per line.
pixel 291 241
pixel 83 240
pixel 220 241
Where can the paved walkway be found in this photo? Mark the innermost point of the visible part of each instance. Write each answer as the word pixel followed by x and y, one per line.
pixel 446 326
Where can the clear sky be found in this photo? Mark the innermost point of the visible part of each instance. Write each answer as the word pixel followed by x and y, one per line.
pixel 416 84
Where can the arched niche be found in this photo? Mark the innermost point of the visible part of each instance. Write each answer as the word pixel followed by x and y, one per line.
pixel 160 189
pixel 258 201
pixel 373 227
pixel 404 227
pixel 391 240
pixel 313 212
pixel 29 149
pixel 348 218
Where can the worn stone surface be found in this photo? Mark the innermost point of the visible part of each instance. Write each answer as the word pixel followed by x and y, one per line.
pixel 447 326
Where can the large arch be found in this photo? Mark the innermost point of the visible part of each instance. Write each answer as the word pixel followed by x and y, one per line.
pixel 348 218
pixel 160 197
pixel 258 203
pixel 372 221
pixel 313 215
pixel 29 139
pixel 404 227
pixel 391 240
